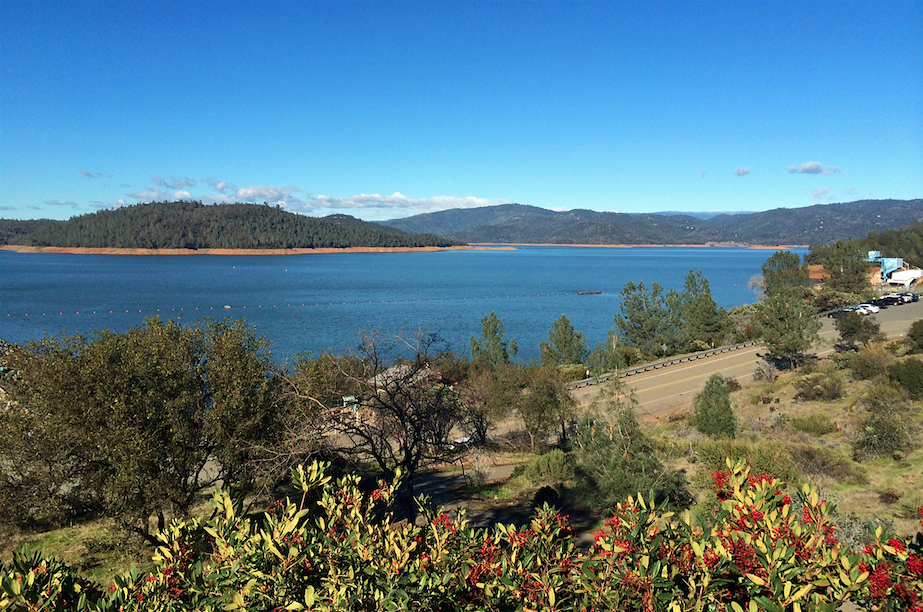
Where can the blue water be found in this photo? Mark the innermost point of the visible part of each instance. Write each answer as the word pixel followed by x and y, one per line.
pixel 324 302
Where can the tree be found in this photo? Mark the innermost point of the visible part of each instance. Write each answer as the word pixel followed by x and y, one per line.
pixel 713 414
pixel 565 346
pixel 785 271
pixel 487 396
pixel 545 403
pixel 648 319
pixel 615 459
pixel 788 325
pixel 127 423
pixel 847 267
pixel 704 325
pixel 402 410
pixel 854 328
pixel 493 348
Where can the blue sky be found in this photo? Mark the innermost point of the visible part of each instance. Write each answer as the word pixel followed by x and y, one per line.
pixel 387 109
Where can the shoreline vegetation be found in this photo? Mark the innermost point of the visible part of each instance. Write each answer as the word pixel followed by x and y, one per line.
pixel 330 250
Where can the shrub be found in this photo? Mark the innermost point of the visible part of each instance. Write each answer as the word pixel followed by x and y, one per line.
pixel 615 458
pixel 815 424
pixel 713 414
pixel 553 467
pixel 908 373
pixel 765 371
pixel 886 429
pixel 821 461
pixel 870 363
pixel 732 384
pixel 761 549
pixel 915 335
pixel 766 456
pixel 826 386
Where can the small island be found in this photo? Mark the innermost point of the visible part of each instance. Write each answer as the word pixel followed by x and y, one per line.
pixel 221 229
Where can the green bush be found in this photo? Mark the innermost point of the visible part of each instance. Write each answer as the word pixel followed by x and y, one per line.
pixel 815 424
pixel 915 335
pixel 870 363
pixel 553 467
pixel 908 373
pixel 887 429
pixel 713 414
pixel 822 386
pixel 765 456
pixel 762 548
pixel 615 458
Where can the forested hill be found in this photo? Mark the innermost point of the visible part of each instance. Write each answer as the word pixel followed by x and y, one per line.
pixel 516 223
pixel 191 225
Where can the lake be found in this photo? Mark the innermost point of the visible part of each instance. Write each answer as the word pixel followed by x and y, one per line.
pixel 323 302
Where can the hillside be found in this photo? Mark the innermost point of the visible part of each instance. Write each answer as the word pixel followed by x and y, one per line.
pixel 516 223
pixel 191 225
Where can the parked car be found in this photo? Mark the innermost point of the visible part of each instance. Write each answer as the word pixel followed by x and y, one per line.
pixel 913 297
pixel 839 312
pixel 865 309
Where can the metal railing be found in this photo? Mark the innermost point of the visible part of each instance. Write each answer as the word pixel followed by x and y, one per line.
pixel 656 365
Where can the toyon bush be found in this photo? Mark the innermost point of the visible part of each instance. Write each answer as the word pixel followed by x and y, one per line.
pixel 335 548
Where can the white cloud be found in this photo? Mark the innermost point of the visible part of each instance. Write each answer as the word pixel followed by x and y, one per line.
pixel 365 206
pixel 150 195
pixel 742 172
pixel 819 193
pixel 91 175
pixel 376 206
pixel 812 168
pixel 220 186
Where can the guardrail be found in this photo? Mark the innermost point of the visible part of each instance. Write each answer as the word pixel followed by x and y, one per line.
pixel 595 380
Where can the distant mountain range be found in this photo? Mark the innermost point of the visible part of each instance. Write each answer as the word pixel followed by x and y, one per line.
pixel 517 223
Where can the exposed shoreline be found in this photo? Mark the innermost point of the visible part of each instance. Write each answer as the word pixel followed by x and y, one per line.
pixel 720 245
pixel 322 251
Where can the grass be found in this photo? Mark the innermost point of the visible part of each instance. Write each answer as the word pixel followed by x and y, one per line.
pixel 95 548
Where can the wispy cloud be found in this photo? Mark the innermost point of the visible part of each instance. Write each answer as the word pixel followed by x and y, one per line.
pixel 742 172
pixel 91 175
pixel 174 183
pixel 812 168
pixel 819 193
pixel 150 195
pixel 220 186
pixel 73 205
pixel 292 198
pixel 7 208
pixel 388 206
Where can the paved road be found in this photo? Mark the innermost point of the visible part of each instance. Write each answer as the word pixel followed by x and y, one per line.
pixel 666 390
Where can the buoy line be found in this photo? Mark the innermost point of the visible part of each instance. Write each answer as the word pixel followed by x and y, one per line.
pixel 232 307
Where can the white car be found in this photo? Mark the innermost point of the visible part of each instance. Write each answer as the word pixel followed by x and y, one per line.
pixel 868 308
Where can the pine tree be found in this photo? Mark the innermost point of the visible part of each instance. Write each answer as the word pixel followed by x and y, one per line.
pixel 713 413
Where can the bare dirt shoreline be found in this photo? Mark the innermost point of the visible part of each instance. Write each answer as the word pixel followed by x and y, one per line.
pixel 113 251
pixel 653 246
pixel 478 246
